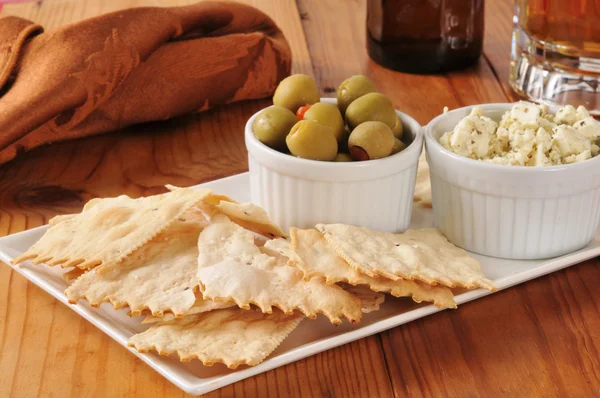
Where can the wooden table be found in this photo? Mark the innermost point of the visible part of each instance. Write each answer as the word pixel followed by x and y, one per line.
pixel 541 338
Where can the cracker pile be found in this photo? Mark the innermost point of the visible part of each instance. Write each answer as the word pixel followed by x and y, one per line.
pixel 218 281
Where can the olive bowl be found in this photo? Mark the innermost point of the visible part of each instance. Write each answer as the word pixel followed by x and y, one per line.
pixel 301 193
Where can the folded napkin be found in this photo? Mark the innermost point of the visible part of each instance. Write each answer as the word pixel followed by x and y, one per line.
pixel 131 66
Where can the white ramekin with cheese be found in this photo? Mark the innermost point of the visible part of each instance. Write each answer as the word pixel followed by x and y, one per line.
pixel 502 187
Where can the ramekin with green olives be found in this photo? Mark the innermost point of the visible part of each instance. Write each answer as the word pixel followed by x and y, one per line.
pixel 301 191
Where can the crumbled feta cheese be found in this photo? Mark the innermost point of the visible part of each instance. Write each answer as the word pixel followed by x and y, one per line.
pixel 566 115
pixel 589 127
pixel 568 141
pixel 543 144
pixel 472 135
pixel 582 113
pixel 526 114
pixel 527 135
pixel 569 115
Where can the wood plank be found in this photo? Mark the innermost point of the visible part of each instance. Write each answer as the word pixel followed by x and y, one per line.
pixel 496 46
pixel 538 339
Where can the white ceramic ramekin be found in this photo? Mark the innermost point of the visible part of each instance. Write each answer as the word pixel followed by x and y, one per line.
pixel 510 211
pixel 302 193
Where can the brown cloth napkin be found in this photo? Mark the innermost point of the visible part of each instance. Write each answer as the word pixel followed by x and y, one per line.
pixel 131 66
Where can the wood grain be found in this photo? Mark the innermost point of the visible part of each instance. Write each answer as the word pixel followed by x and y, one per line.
pixel 496 47
pixel 537 339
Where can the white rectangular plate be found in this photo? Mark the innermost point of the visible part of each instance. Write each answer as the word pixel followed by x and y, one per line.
pixel 309 338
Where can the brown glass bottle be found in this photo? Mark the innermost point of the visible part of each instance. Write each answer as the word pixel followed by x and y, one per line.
pixel 424 36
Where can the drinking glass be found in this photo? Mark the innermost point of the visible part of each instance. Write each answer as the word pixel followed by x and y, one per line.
pixel 555 57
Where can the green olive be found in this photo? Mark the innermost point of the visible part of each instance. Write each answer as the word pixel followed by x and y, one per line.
pixel 329 115
pixel 399 146
pixel 371 140
pixel 371 107
pixel 342 157
pixel 352 88
pixel 398 129
pixel 272 125
pixel 311 140
pixel 295 91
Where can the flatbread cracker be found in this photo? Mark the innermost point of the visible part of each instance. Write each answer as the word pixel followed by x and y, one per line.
pixel 251 217
pixel 160 276
pixel 424 255
pixel 215 199
pixel 212 199
pixel 74 273
pixel 316 258
pixel 230 336
pixel 200 306
pixel 280 245
pixel 232 267
pixel 248 215
pixel 108 230
pixel 59 218
pixel 422 195
pixel 370 301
